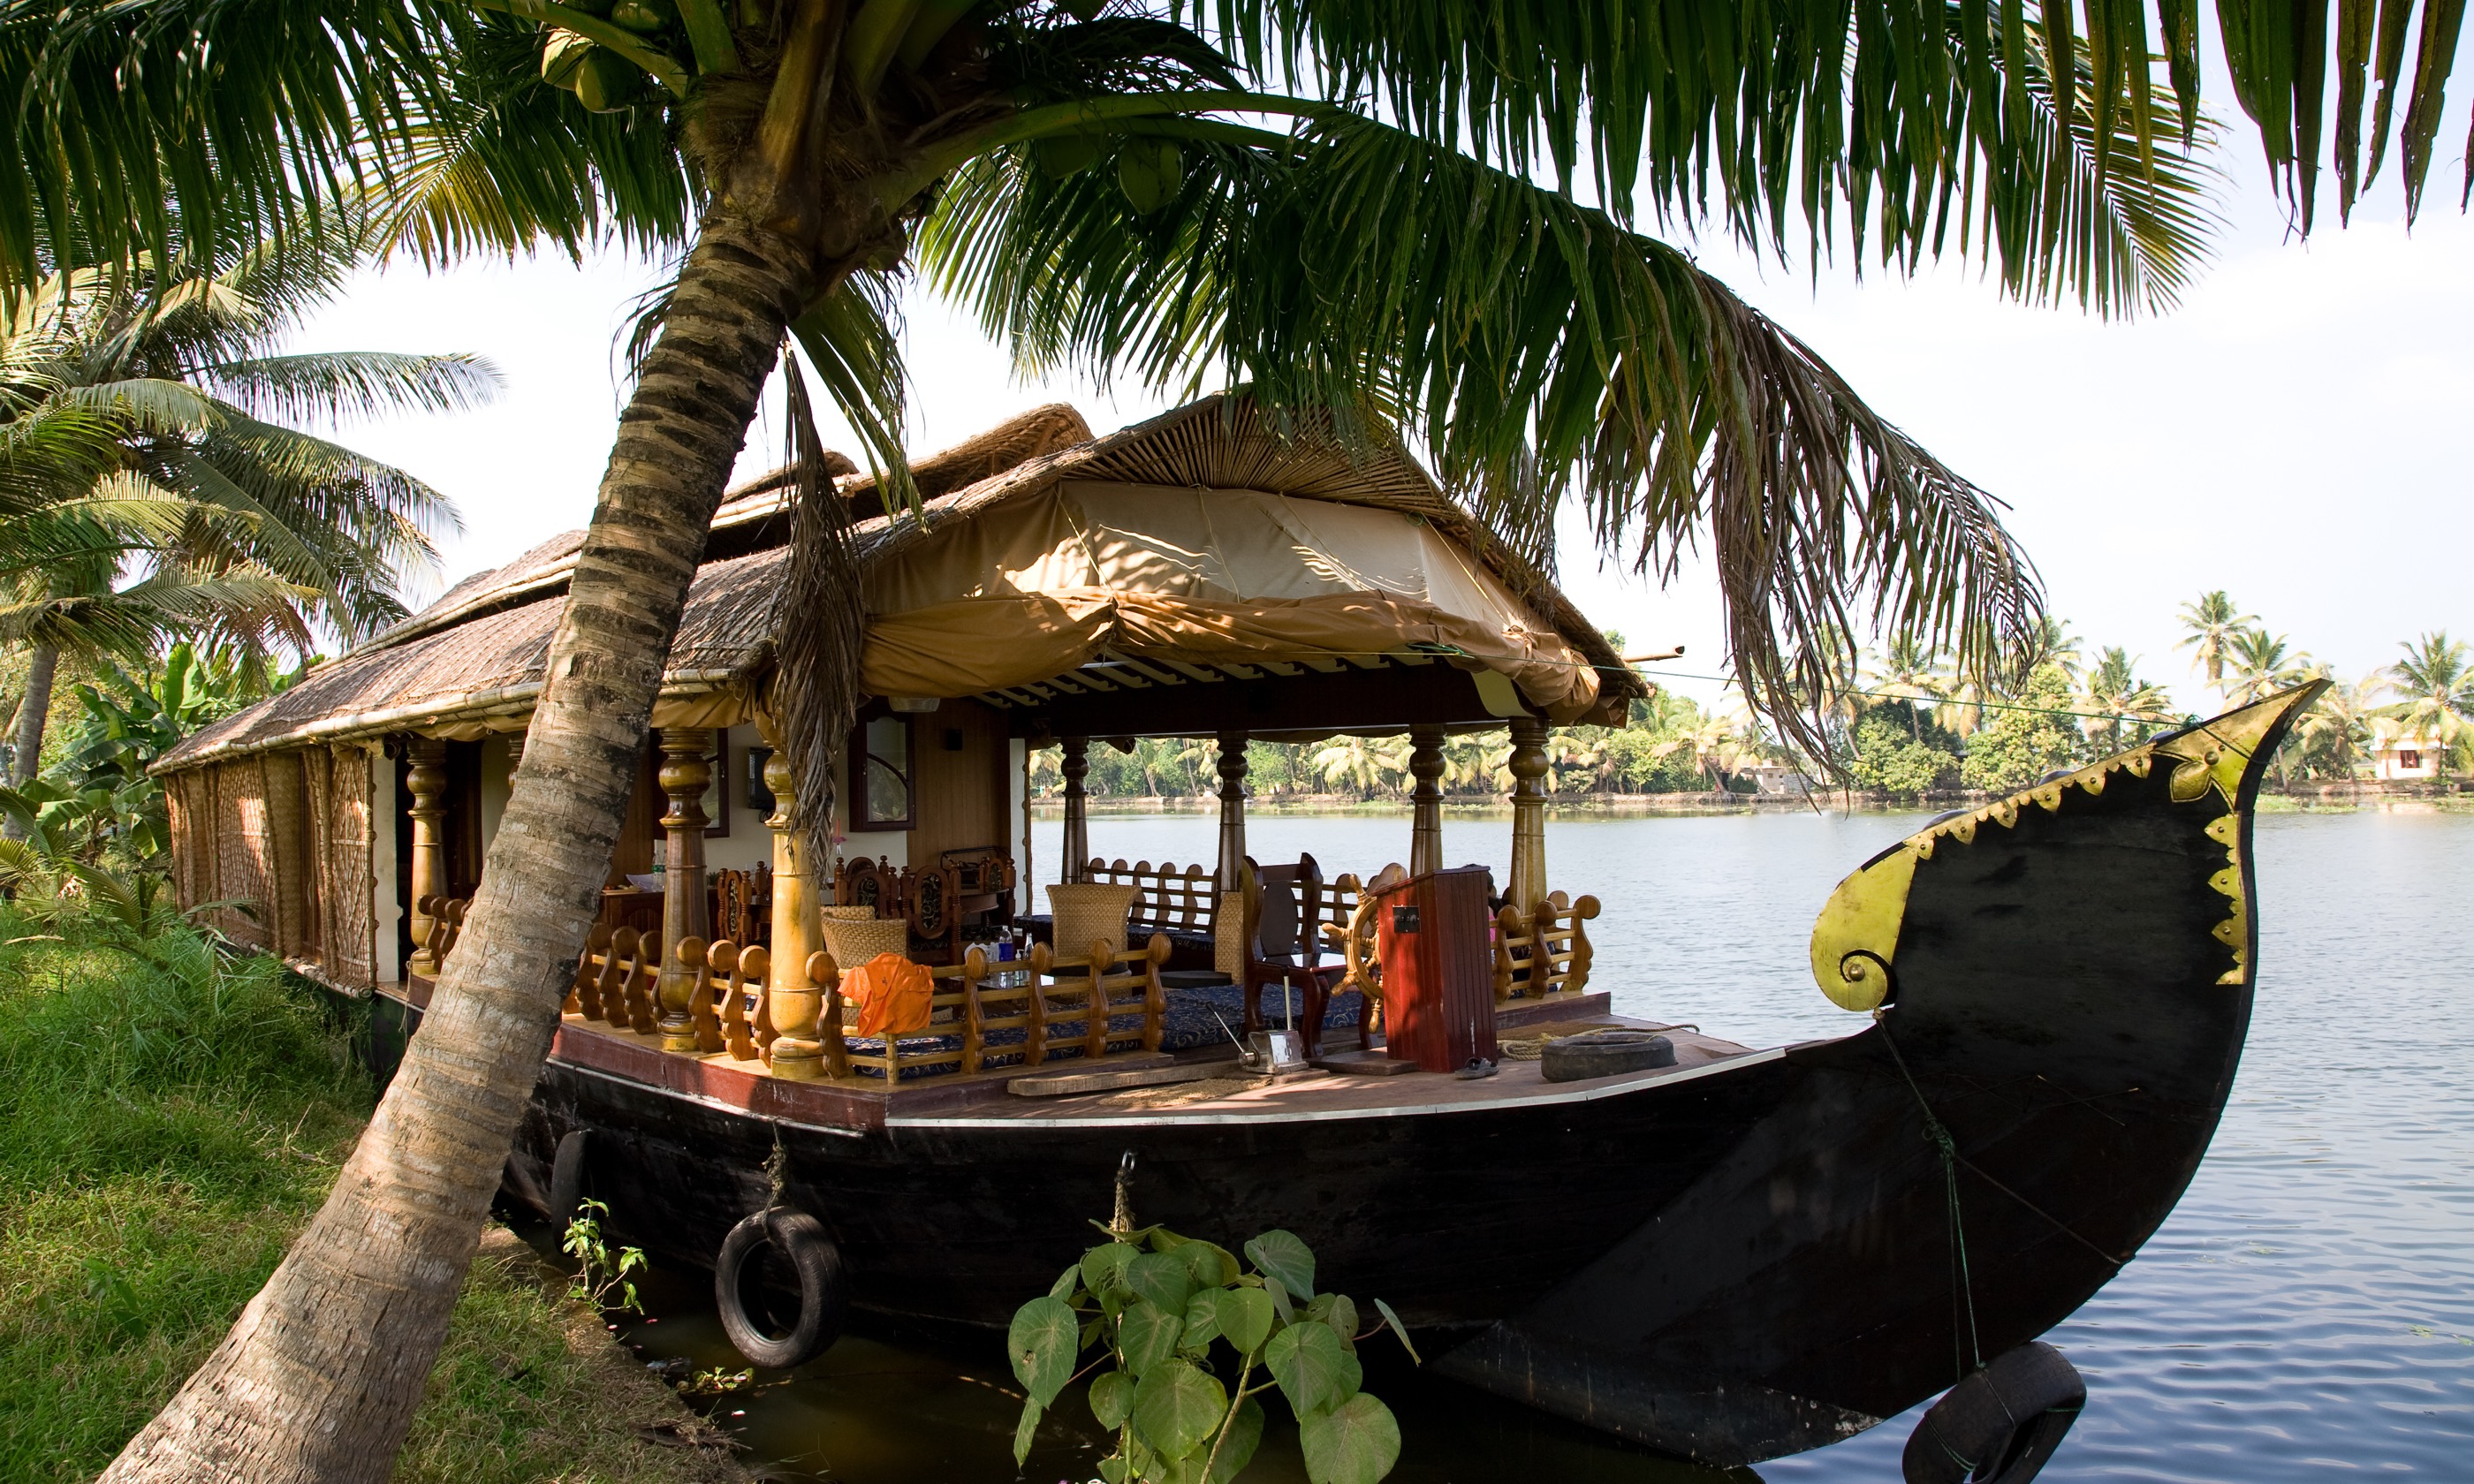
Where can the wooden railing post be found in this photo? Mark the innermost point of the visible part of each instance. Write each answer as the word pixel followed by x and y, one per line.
pixel 1528 763
pixel 685 915
pixel 426 782
pixel 791 999
pixel 1426 799
pixel 1074 765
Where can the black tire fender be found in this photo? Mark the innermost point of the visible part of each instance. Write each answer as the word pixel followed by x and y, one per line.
pixel 2000 1425
pixel 566 1179
pixel 800 1241
pixel 1603 1054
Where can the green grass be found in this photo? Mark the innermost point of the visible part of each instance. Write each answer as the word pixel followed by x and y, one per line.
pixel 169 1119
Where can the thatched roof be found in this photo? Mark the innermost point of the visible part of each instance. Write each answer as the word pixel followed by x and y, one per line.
pixel 473 660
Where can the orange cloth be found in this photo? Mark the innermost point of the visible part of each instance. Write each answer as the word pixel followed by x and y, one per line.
pixel 892 995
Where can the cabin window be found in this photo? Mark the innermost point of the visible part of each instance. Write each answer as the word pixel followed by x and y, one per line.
pixel 2408 758
pixel 717 787
pixel 760 799
pixel 881 774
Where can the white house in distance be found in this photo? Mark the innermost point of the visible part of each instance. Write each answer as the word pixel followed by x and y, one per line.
pixel 2405 758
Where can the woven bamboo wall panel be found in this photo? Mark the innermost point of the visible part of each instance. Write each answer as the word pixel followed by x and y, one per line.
pixel 244 855
pixel 346 874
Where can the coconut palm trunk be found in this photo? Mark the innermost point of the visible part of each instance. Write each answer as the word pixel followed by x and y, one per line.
pixel 42 667
pixel 320 1377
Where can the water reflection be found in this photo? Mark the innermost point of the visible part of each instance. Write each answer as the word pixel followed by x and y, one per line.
pixel 2309 1306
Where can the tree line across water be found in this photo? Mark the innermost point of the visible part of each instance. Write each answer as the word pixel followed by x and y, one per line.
pixel 1902 722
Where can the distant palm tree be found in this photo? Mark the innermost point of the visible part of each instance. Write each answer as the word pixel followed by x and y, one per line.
pixel 2263 664
pixel 2209 626
pixel 2112 688
pixel 242 532
pixel 2052 643
pixel 2435 690
pixel 1908 670
pixel 2334 736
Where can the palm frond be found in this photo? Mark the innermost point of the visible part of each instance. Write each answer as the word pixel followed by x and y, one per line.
pixel 1901 114
pixel 338 385
pixel 1538 348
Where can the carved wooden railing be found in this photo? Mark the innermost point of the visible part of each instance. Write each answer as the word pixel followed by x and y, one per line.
pixel 1545 955
pixel 445 915
pixel 967 1006
pixel 1174 899
pixel 614 979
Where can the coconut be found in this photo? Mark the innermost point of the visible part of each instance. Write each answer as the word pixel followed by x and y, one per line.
pixel 607 81
pixel 643 15
pixel 563 55
pixel 1148 172
pixel 1060 155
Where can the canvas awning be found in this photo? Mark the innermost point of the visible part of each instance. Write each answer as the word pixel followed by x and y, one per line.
pixel 1045 583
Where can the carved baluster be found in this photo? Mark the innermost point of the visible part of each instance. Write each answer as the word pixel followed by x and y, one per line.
pixel 643 1009
pixel 615 972
pixel 1507 932
pixel 1036 1006
pixel 586 998
pixel 1154 995
pixel 975 1036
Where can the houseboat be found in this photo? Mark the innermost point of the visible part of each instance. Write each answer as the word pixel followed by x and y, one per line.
pixel 871 1061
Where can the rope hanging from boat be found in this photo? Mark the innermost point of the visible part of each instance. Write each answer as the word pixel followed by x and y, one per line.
pixel 1962 1283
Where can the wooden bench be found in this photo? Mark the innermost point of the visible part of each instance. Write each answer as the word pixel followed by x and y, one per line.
pixel 1174 899
pixel 1546 955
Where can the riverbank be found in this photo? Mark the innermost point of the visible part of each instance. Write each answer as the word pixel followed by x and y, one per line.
pixel 2405 795
pixel 168 1123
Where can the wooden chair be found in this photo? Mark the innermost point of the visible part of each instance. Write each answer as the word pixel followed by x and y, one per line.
pixel 862 882
pixel 1284 918
pixel 743 905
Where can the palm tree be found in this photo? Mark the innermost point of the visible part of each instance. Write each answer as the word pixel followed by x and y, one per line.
pixel 2435 690
pixel 1098 183
pixel 2209 627
pixel 2263 665
pixel 2332 737
pixel 245 532
pixel 2052 643
pixel 2112 687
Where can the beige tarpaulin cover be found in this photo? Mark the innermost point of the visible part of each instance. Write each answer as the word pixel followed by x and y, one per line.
pixel 1042 585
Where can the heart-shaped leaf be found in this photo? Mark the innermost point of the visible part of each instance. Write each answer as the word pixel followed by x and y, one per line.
pixel 1068 1284
pixel 1244 1317
pixel 1340 1313
pixel 1316 1372
pixel 1356 1443
pixel 1244 1436
pixel 1280 1299
pixel 1177 1408
pixel 1042 1342
pixel 1210 1264
pixel 1112 1398
pixel 1161 1277
pixel 1104 1268
pixel 1024 1429
pixel 1284 1256
pixel 1201 1320
pixel 1148 1335
pixel 1398 1328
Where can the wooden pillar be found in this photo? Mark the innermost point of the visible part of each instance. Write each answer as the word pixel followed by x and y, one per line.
pixel 1528 886
pixel 792 999
pixel 685 912
pixel 1229 877
pixel 426 782
pixel 1426 799
pixel 1073 766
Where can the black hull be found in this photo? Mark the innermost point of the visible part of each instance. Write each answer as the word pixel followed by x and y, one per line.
pixel 1728 1263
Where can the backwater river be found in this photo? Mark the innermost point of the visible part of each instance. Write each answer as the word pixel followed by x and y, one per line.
pixel 2307 1312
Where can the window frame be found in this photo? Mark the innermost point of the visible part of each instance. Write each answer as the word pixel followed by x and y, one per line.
pixel 859 820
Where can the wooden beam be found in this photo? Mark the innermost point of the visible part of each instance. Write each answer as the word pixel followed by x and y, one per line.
pixel 1388 700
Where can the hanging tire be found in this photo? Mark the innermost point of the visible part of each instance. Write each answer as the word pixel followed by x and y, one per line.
pixel 757 1311
pixel 1603 1054
pixel 2000 1425
pixel 566 1179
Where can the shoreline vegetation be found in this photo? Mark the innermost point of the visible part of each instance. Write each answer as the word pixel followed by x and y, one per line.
pixel 1901 723
pixel 170 1118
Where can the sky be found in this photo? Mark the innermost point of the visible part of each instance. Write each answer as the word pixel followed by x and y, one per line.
pixel 2296 432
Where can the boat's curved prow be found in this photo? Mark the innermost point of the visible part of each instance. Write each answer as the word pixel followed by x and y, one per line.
pixel 2061 981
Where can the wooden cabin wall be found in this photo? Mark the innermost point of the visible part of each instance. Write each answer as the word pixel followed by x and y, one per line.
pixel 961 789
